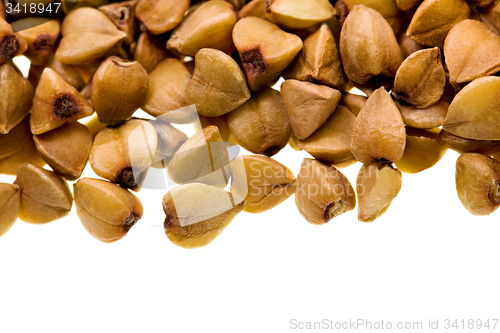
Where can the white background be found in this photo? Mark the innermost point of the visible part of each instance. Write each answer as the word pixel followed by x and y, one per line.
pixel 426 258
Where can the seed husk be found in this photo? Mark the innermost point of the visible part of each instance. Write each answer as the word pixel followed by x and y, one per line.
pixel 265 50
pixel 261 125
pixel 331 142
pixel 170 139
pixel 106 210
pixel 368 52
pixel 406 44
pixel 160 16
pixel 17 147
pixel 420 80
pixel 308 105
pixel 16 98
pixel 66 149
pixel 11 44
pixel 122 14
pixel 262 181
pixel 477 57
pixel 45 197
pixel 218 84
pixel 477 180
pixel 297 14
pixel 168 83
pixel 353 102
pixel 56 103
pixel 203 158
pixel 323 192
pixel 434 19
pixel 3 14
pixel 463 145
pixel 377 185
pixel 124 154
pixel 319 60
pixel 10 199
pixel 473 114
pixel 196 214
pixel 88 35
pixel 423 150
pixel 41 34
pixel 378 132
pixel 150 50
pixel 119 88
pixel 209 26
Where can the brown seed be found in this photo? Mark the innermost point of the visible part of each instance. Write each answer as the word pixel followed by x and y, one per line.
pixel 406 44
pixel 387 8
pixel 66 149
pixel 201 159
pixel 297 14
pixel 323 192
pixel 196 214
pixel 149 51
pixel 475 58
pixel 308 105
pixel 41 34
pixel 420 80
pixel 45 197
pixel 368 52
pixel 168 82
pixel 66 72
pixel 17 147
pixel 209 26
pixel 218 85
pixel 11 44
pixel 491 16
pixel 119 88
pixel 463 145
pixel 353 102
pixel 434 19
pixel 331 142
pixel 160 16
pixel 265 50
pixel 3 14
pixel 377 185
pixel 262 181
pixel 407 4
pixel 88 34
pixel 221 123
pixel 170 139
pixel 10 197
pixel 261 125
pixel 106 210
pixel 477 180
pixel 430 117
pixel 423 150
pixel 378 132
pixel 473 114
pixel 483 3
pixel 124 154
pixel 255 8
pixel 122 14
pixel 56 103
pixel 16 98
pixel 319 60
